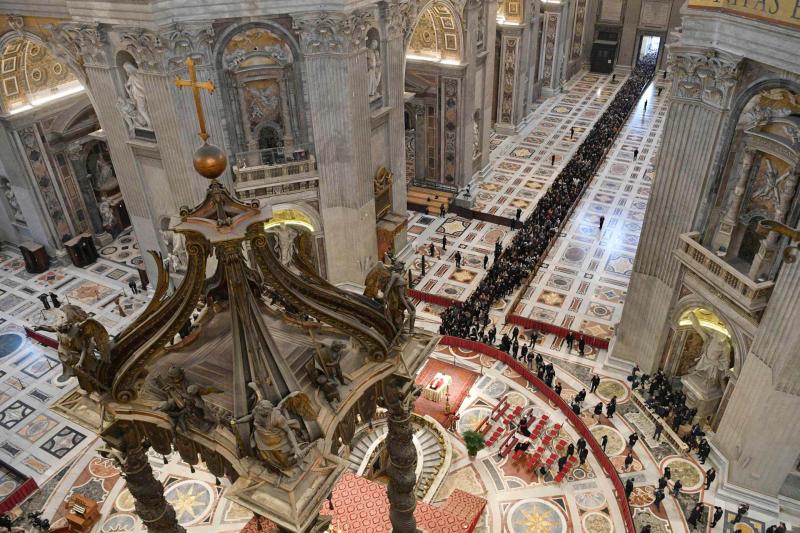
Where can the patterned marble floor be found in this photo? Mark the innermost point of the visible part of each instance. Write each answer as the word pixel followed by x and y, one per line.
pixel 583 281
pixel 36 440
pixel 521 172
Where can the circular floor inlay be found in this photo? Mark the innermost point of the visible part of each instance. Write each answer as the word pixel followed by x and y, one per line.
pixel 471 418
pixel 690 475
pixel 590 501
pixel 536 516
pixel 597 523
pixel 124 501
pixel 609 388
pixel 616 444
pixel 7 487
pixel 10 343
pixel 118 523
pixel 191 499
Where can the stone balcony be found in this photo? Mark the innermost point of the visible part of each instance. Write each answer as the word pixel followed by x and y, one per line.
pixel 268 173
pixel 751 295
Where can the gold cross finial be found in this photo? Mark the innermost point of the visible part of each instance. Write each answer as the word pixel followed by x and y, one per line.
pixel 196 87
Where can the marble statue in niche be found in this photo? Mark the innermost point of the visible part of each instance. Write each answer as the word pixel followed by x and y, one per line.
pixel 106 214
pixel 712 366
pixel 11 200
pixel 476 139
pixel 284 243
pixel 134 105
pixel 375 68
pixel 105 180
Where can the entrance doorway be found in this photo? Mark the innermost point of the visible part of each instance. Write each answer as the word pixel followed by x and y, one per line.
pixel 650 45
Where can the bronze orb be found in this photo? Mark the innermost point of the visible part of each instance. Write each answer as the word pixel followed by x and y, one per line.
pixel 210 161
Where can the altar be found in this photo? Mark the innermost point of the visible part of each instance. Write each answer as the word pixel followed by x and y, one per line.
pixel 437 388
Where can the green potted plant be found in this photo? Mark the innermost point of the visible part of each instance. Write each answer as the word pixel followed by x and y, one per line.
pixel 474 442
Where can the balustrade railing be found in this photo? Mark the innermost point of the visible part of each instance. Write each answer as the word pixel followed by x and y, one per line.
pixel 274 164
pixel 750 294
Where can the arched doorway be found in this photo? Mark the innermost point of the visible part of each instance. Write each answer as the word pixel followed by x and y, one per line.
pixel 435 76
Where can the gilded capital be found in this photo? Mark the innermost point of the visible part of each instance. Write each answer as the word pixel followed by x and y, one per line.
pixel 332 33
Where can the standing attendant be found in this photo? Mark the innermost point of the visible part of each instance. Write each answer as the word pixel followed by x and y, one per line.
pixel 485 261
pixel 44 300
pixel 740 512
pixel 632 440
pixel 628 461
pixel 659 429
pixel 595 383
pixel 659 91
pixel 444 243
pixel 667 473
pixel 458 260
pixel 519 214
pixel 582 346
pixel 553 160
pixel 422 268
pixel 572 132
pixel 695 515
pixel 610 408
pixel 614 77
pixel 442 211
pixel 55 300
pixel 583 454
pixel 600 224
pixel 715 518
pixel 134 288
pixel 710 476
pixel 557 388
pixel 676 489
pixel 581 444
pixel 570 449
pixel 431 249
pixel 604 442
pixel 515 333
pixel 628 488
pixel 570 338
pixel 598 410
pixel 635 154
pixel 659 497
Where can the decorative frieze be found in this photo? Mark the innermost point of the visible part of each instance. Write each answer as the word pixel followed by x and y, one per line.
pixel 703 75
pixel 327 33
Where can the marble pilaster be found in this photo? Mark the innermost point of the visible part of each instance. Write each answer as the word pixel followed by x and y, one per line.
pixel 335 70
pixel 753 434
pixel 551 50
pixel 701 92
pixel 510 79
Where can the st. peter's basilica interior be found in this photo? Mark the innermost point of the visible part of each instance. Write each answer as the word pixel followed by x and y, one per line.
pixel 436 266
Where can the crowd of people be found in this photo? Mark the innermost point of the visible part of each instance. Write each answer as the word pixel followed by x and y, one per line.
pixel 512 266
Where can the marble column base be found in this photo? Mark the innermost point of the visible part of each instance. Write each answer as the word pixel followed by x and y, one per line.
pixel 700 396
pixel 103 239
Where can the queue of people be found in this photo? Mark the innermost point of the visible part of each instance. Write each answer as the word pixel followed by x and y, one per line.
pixel 515 263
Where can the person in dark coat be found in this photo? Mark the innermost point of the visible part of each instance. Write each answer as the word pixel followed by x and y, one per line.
pixel 659 497
pixel 718 512
pixel 711 475
pixel 570 449
pixel 695 515
pixel 604 442
pixel 628 461
pixel 676 489
pixel 583 454
pixel 595 383
pixel 632 440
pixel 570 338
pixel 557 388
pixel 628 488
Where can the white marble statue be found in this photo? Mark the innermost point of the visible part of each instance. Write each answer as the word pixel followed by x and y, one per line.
pixel 284 246
pixel 712 367
pixel 106 179
pixel 11 199
pixel 176 249
pixel 134 87
pixel 375 67
pixel 106 213
pixel 476 139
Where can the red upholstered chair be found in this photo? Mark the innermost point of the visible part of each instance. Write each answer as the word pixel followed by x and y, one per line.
pixel 545 418
pixel 517 455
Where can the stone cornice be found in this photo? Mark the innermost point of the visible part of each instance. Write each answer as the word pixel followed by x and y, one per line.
pixel 332 33
pixel 703 74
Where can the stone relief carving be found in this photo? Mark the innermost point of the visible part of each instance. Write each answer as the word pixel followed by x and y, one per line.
pixel 169 47
pixel 703 75
pixel 79 44
pixel 134 105
pixel 509 70
pixel 375 68
pixel 332 32
pixel 11 201
pixel 712 366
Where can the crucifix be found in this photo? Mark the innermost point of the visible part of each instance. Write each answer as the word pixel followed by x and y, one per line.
pixel 196 87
